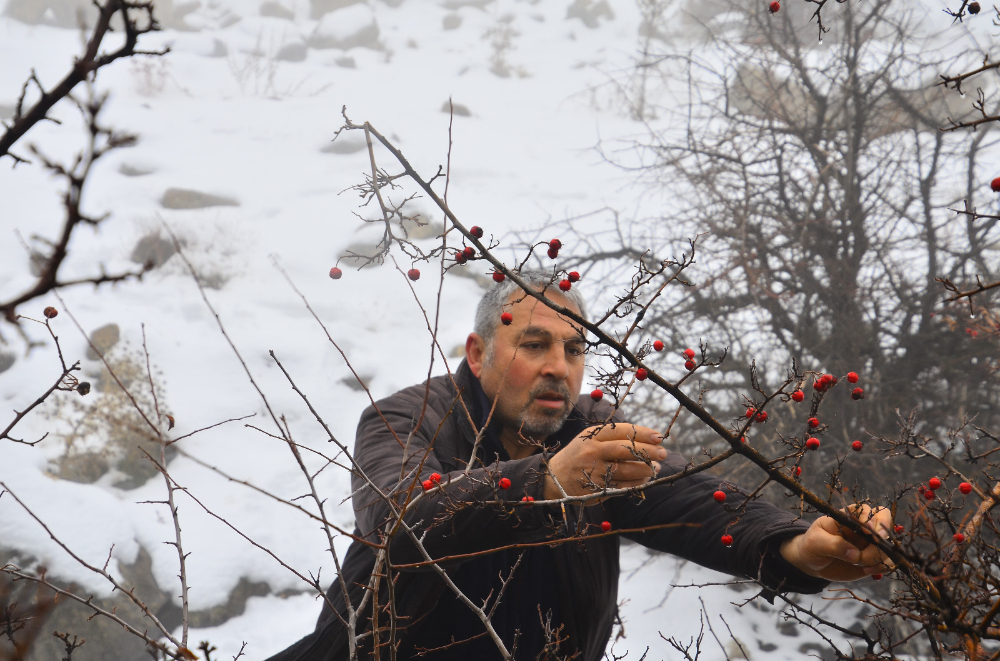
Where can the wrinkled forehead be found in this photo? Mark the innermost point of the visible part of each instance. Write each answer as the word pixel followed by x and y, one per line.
pixel 534 314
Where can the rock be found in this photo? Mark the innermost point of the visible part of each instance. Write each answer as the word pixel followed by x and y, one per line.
pixel 153 249
pixel 459 109
pixel 356 254
pixel 102 339
pixel 106 640
pixel 134 170
pixel 346 62
pixel 458 4
pixel 182 198
pixel 7 361
pixel 351 27
pixel 451 21
pixel 351 382
pixel 83 467
pixel 319 8
pixel 276 10
pixel 346 143
pixel 219 49
pixel 590 12
pixel 294 52
pixel 70 13
pixel 457 351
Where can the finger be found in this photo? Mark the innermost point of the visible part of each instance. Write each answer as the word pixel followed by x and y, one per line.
pixel 626 471
pixel 823 544
pixel 626 432
pixel 625 452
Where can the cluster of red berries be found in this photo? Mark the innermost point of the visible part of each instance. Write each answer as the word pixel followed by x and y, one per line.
pixel 972 332
pixel 824 382
pixel 689 363
pixel 465 254
pixel 50 312
pixel 554 246
pixel 434 480
pixel 759 416
pixel 527 499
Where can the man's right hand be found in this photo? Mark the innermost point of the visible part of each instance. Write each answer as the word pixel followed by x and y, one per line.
pixel 596 448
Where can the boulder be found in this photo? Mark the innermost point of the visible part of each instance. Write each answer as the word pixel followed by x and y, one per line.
pixel 350 27
pixel 102 340
pixel 182 198
pixel 276 10
pixel 319 8
pixel 153 249
pixel 294 52
pixel 459 109
pixel 7 361
pixel 590 12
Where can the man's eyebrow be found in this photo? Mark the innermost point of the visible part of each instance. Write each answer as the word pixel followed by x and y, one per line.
pixel 538 331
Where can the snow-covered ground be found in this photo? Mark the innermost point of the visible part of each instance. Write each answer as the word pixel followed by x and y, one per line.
pixel 221 114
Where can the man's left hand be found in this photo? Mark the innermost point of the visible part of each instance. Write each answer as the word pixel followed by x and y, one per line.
pixel 828 550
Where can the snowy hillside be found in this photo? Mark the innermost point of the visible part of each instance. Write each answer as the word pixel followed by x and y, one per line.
pixel 235 156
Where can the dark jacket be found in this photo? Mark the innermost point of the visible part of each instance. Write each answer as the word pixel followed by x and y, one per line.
pixel 389 445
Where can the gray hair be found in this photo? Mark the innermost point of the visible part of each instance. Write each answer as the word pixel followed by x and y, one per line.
pixel 491 304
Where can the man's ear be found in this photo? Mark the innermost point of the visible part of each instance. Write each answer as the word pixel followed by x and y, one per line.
pixel 475 353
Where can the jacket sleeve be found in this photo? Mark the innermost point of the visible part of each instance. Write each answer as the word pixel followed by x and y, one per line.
pixel 451 519
pixel 757 532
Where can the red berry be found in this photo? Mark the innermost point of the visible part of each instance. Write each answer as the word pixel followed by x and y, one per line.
pixel 657 345
pixel 743 439
pixel 689 365
pixel 504 483
pixel 460 257
pixel 555 244
pixel 506 318
pixel 469 251
pixel 720 496
pixel 727 540
pixel 413 274
pixel 435 477
pixel 965 488
pixel 995 185
pixel 597 394
pixel 876 577
pixel 812 443
pixel 858 393
pixel 798 396
pixel 929 494
pixel 898 529
pixel 857 446
pixel 750 413
pixel 852 377
pixel 762 416
pixel 774 7
pixel 476 231
pixel 498 276
pixel 573 276
pixel 798 471
pixel 813 423
pixel 818 384
pixel 553 253
pixel 527 499
pixel 974 334
pixel 958 537
pixel 564 285
pixel 689 353
pixel 335 273
pixel 974 8
pixel 50 312
pixel 641 374
pixel 428 485
pixel 829 379
pixel 934 483
pixel 605 526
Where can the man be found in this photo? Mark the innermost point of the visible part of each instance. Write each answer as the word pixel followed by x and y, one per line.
pixel 520 383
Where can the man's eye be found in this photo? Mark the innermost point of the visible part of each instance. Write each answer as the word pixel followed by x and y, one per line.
pixel 574 351
pixel 532 346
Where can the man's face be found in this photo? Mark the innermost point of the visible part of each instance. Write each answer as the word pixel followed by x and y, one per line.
pixel 536 367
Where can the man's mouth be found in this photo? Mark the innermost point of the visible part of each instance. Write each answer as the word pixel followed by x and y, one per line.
pixel 551 400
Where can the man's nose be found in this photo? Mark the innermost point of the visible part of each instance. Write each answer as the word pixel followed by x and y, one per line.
pixel 555 363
